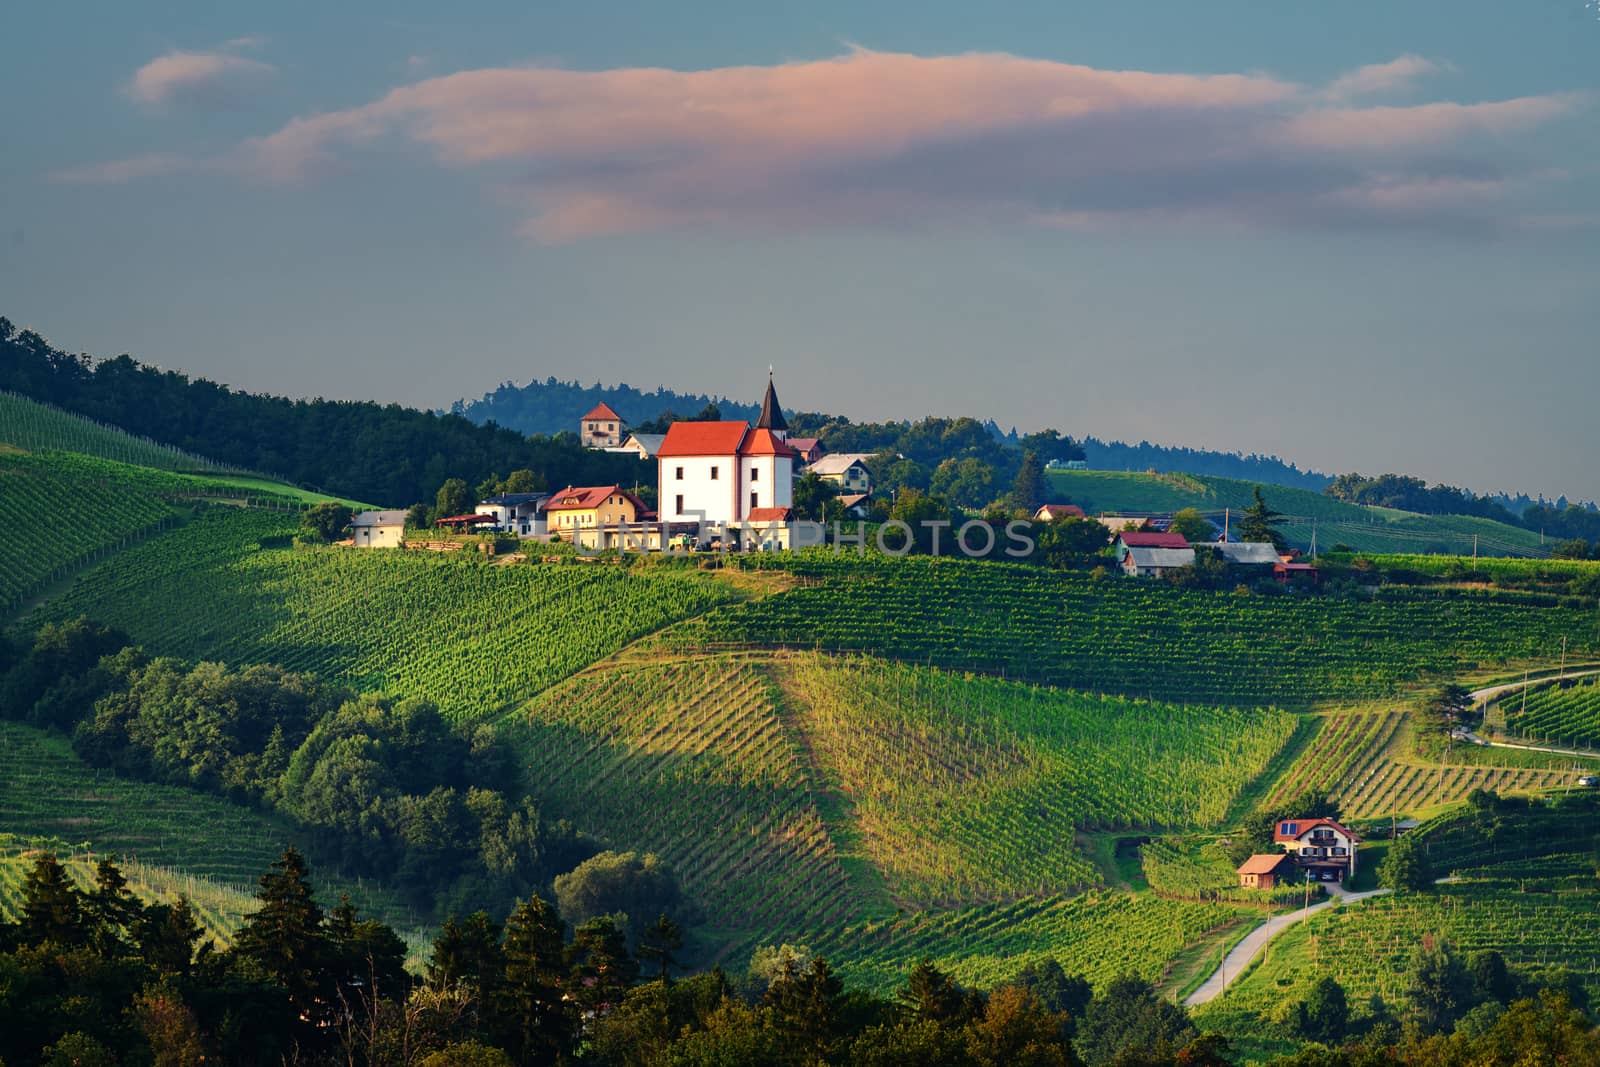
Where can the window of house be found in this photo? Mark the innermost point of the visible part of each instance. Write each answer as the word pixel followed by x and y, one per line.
pixel 713 474
pixel 755 474
pixel 591 427
pixel 679 506
pixel 753 499
pixel 679 474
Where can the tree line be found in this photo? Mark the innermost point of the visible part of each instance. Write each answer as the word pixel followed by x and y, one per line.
pixel 381 453
pixel 1561 520
pixel 376 786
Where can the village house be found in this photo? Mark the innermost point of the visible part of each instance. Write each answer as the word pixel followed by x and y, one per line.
pixel 519 513
pixel 601 428
pixel 847 470
pixel 1248 553
pixel 1267 870
pixel 1323 847
pixel 1140 562
pixel 807 449
pixel 1119 523
pixel 643 445
pixel 1126 540
pixel 594 516
pixel 378 529
pixel 1052 512
pixel 726 476
pixel 854 505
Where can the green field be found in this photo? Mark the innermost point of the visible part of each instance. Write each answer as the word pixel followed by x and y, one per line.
pixel 457 629
pixel 1333 521
pixel 1144 638
pixel 1565 715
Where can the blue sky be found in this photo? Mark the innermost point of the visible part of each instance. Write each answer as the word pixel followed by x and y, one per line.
pixel 1364 236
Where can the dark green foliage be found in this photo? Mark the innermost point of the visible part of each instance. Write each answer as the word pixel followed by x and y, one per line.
pixel 1028 487
pixel 625 884
pixel 1324 1015
pixel 811 496
pixel 1058 992
pixel 1069 542
pixel 807 1005
pixel 932 995
pixel 54 679
pixel 537 1018
pixel 1256 524
pixel 1406 867
pixel 1490 980
pixel 658 942
pixel 1129 1017
pixel 52 907
pixel 1413 494
pixel 328 520
pixel 1437 985
pixel 285 936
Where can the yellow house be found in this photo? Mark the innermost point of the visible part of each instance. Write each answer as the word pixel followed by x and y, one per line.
pixel 592 515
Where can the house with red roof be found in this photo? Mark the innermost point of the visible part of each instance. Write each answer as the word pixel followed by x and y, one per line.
pixel 732 479
pixel 596 516
pixel 1052 512
pixel 601 428
pixel 1267 870
pixel 1323 847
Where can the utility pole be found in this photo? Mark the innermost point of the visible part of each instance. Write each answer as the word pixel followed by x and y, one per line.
pixel 1313 538
pixel 1226 514
pixel 1563 658
pixel 1474 550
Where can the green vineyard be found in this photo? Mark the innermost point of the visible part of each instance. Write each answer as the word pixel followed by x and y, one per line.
pixel 1345 746
pixel 37 427
pixel 692 760
pixel 470 636
pixel 1559 714
pixel 968 788
pixel 1142 638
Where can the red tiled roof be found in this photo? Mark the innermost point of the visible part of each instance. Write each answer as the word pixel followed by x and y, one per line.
pixel 803 444
pixel 769 515
pixel 1150 539
pixel 1305 826
pixel 585 497
pixel 1058 511
pixel 702 439
pixel 850 500
pixel 765 443
pixel 1296 567
pixel 1264 863
pixel 604 412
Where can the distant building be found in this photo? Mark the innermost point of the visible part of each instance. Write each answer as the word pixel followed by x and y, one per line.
pixel 1118 523
pixel 643 445
pixel 1067 465
pixel 1322 846
pixel 1267 870
pixel 1249 553
pixel 378 529
pixel 847 470
pixel 601 428
pixel 809 449
pixel 719 474
pixel 1131 539
pixel 1154 562
pixel 593 515
pixel 1052 512
pixel 520 513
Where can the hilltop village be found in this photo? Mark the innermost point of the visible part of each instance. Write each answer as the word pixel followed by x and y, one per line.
pixel 729 485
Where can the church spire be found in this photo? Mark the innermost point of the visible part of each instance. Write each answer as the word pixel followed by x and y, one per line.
pixel 771 411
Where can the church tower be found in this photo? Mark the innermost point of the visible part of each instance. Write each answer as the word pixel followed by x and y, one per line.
pixel 772 412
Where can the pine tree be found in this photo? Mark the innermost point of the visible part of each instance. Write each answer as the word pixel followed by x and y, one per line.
pixel 659 941
pixel 539 1022
pixel 110 910
pixel 1029 484
pixel 52 907
pixel 285 936
pixel 602 969
pixel 1257 523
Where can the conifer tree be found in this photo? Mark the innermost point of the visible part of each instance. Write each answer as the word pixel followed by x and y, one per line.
pixel 52 907
pixel 538 1021
pixel 285 936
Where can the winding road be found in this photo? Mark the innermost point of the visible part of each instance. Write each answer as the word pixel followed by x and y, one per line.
pixel 1250 946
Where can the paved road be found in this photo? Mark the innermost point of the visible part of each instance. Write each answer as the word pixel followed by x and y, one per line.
pixel 1239 958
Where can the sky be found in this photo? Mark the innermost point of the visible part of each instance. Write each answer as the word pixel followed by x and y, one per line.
pixel 1361 236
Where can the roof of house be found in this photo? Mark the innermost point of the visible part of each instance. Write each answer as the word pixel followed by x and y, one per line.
pixel 769 515
pixel 1264 863
pixel 1050 512
pixel 1115 523
pixel 583 498
pixel 1298 567
pixel 1161 557
pixel 1295 829
pixel 804 444
pixel 771 417
pixel 702 439
pixel 851 500
pixel 379 518
pixel 603 412
pixel 839 462
pixel 651 442
pixel 1250 552
pixel 463 520
pixel 1151 539
pixel 763 442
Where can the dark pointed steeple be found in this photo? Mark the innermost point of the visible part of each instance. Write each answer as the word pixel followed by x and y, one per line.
pixel 771 411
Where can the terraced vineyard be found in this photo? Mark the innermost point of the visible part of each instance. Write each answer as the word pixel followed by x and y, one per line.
pixel 691 760
pixel 1557 715
pixel 1099 935
pixel 38 427
pixel 969 788
pixel 1410 785
pixel 170 833
pixel 1142 638
pixel 472 637
pixel 1346 746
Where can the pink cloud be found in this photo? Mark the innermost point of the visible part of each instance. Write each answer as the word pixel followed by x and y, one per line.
pixel 198 77
pixel 873 138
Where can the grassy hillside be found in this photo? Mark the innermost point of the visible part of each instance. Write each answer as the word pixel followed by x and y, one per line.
pixel 458 629
pixel 37 427
pixel 1144 638
pixel 1335 522
pixel 170 834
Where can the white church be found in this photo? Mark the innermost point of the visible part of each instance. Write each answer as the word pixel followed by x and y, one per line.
pixel 733 479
